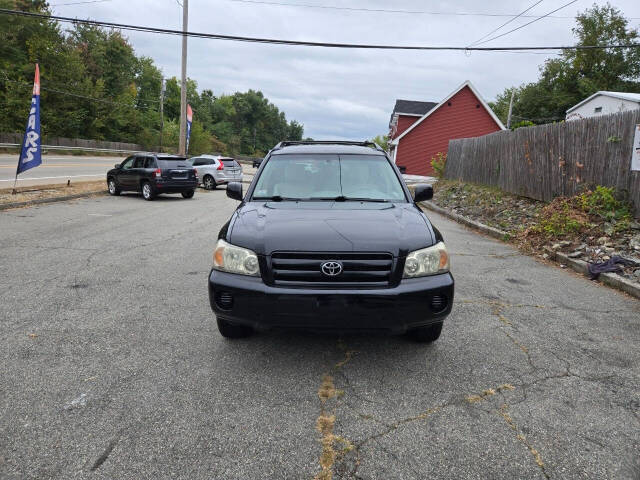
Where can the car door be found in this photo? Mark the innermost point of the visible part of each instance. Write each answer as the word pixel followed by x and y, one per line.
pixel 137 172
pixel 123 177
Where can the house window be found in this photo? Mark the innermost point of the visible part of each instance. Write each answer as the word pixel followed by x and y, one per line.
pixel 597 109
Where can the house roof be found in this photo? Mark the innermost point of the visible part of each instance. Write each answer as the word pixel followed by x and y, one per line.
pixel 427 114
pixel 411 107
pixel 632 97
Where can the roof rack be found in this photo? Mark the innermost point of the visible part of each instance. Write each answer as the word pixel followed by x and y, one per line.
pixel 365 143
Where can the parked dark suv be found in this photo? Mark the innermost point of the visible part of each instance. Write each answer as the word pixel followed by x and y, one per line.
pixel 328 237
pixel 153 173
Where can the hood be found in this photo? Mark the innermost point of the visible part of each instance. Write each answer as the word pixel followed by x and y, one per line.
pixel 330 227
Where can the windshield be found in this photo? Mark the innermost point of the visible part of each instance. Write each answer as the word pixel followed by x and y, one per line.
pixel 329 177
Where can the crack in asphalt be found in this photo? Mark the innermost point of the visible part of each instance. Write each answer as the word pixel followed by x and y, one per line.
pixel 523 439
pixel 326 420
pixel 424 415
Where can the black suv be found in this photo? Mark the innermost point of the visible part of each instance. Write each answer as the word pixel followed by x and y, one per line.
pixel 328 237
pixel 153 173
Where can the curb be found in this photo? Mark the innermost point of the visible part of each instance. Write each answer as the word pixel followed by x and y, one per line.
pixel 580 266
pixel 491 231
pixel 40 201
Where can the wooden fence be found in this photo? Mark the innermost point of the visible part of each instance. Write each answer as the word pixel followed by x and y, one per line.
pixel 547 161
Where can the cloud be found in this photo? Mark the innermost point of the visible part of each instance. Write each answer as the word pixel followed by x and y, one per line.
pixel 342 94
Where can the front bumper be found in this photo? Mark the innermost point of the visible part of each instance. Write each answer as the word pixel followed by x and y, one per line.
pixel 395 310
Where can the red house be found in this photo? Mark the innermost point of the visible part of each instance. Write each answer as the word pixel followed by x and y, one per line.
pixel 419 137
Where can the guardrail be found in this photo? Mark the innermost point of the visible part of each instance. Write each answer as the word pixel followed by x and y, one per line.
pixel 81 149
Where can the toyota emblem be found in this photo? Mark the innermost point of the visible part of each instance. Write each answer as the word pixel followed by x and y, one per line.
pixel 331 269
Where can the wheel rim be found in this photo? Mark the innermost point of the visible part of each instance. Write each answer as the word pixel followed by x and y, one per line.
pixel 208 183
pixel 112 187
pixel 146 191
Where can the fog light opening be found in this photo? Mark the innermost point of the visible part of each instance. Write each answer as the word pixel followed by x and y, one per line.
pixel 224 300
pixel 439 303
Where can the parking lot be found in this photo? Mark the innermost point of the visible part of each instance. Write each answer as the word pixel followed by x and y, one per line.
pixel 112 367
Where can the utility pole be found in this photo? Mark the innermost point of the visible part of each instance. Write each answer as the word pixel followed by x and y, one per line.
pixel 162 89
pixel 513 92
pixel 183 87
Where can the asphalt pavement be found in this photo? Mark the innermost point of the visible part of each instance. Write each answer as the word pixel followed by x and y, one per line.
pixel 111 365
pixel 56 169
pixel 61 168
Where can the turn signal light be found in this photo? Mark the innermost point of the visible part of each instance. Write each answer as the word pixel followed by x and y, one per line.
pixel 158 173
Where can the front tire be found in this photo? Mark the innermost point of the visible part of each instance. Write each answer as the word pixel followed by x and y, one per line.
pixel 147 191
pixel 188 193
pixel 208 182
pixel 113 187
pixel 228 330
pixel 426 334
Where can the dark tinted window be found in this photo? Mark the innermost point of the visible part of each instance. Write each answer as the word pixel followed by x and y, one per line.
pixel 138 162
pixel 165 164
pixel 149 162
pixel 127 163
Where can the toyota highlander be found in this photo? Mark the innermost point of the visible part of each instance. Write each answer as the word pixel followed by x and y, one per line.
pixel 329 237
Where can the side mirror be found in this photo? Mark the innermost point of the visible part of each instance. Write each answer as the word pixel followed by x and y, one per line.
pixel 117 165
pixel 234 190
pixel 422 192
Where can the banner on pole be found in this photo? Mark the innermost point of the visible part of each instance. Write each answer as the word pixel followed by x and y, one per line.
pixel 31 152
pixel 189 119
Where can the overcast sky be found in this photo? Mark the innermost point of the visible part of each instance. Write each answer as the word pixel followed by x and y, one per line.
pixel 343 94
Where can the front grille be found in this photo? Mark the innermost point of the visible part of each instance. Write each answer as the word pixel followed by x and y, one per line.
pixel 359 270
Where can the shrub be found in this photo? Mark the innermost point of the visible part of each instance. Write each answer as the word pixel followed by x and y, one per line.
pixel 438 163
pixel 604 202
pixel 559 218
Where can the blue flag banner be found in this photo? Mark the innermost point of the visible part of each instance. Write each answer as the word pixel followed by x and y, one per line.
pixel 31 153
pixel 189 119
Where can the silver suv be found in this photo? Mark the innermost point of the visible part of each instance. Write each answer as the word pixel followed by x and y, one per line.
pixel 214 170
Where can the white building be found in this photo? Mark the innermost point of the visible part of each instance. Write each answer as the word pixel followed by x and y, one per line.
pixel 604 103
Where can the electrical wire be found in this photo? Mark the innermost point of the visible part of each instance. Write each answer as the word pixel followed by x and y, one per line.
pixel 528 23
pixel 385 10
pixel 274 41
pixel 77 3
pixel 506 23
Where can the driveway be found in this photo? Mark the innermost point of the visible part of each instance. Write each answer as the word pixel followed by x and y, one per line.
pixel 111 365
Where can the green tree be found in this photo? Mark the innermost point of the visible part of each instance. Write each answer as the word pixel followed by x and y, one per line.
pixel 576 74
pixel 383 141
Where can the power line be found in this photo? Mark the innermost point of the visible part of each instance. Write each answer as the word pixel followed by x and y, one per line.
pixel 529 23
pixel 506 23
pixel 386 10
pixel 77 3
pixel 274 41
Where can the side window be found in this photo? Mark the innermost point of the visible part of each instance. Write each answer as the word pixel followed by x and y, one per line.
pixel 149 162
pixel 126 165
pixel 138 162
pixel 198 162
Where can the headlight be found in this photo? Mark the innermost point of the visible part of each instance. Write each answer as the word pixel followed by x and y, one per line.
pixel 232 259
pixel 427 261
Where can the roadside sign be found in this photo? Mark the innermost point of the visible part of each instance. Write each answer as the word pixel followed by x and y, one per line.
pixel 635 155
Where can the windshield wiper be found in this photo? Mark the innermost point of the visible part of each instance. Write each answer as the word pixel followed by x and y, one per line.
pixel 277 198
pixel 342 198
